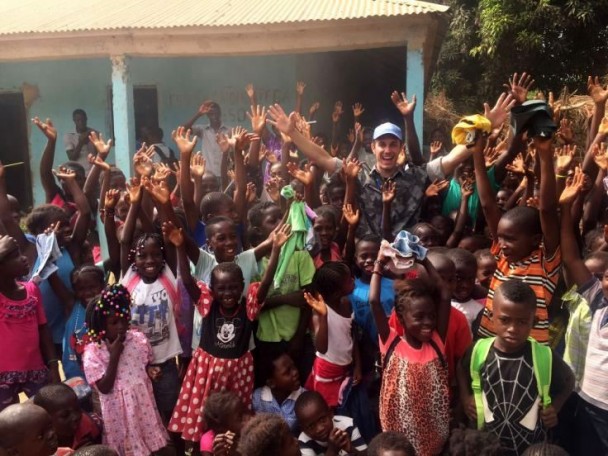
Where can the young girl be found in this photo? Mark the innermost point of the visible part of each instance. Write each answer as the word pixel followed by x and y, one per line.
pixel 115 363
pixel 27 347
pixel 87 282
pixel 268 435
pixel 223 360
pixel 224 413
pixel 414 397
pixel 325 227
pixel 150 280
pixel 337 354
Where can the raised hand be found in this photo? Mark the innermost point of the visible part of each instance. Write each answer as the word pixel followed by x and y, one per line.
pixel 97 160
pixel 281 235
pixel 111 198
pixel 268 155
pixel 351 168
pixel 436 187
pixel 313 108
pixel 603 129
pixel 205 107
pixel 517 166
pixel 279 119
pixel 358 131
pixel 102 148
pixel 358 109
pixel 597 92
pixel 600 157
pixel 402 156
pixel 573 187
pixel 435 148
pixel 337 113
pixel 161 172
pixel 47 128
pixel 565 132
pixel 223 141
pixel 466 188
pixel 134 190
pixel 182 139
pixel 405 107
pixel 250 192
pixel 303 126
pixel 351 216
pixel 197 165
pixel 303 175
pixel 142 160
pixel 273 188
pixel 243 139
pixel 388 191
pixel 173 234
pixel 65 174
pixel 533 201
pixel 564 157
pixel 518 88
pixel 300 86
pixel 316 303
pixel 490 156
pixel 157 190
pixel 499 113
pixel 258 119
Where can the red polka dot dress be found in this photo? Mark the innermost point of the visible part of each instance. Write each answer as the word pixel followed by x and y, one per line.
pixel 221 362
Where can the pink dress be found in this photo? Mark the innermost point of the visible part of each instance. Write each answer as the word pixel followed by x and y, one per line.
pixel 132 425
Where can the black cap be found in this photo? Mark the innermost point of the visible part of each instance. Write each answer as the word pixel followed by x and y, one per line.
pixel 535 117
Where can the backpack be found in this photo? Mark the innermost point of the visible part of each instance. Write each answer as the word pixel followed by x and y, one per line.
pixel 542 360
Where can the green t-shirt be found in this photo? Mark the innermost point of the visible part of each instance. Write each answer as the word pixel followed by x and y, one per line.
pixel 451 202
pixel 281 323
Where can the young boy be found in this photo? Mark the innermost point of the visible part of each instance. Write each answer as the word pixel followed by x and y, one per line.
pixel 322 432
pixel 508 397
pixel 466 273
pixel 517 238
pixel 592 408
pixel 278 396
pixel 27 430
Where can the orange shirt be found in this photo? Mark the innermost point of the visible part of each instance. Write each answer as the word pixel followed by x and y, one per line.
pixel 536 270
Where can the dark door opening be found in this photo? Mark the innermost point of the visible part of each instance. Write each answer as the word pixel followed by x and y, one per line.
pixel 14 148
pixel 145 101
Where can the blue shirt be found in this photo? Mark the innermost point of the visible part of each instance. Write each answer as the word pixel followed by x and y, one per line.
pixel 359 299
pixel 264 402
pixel 72 340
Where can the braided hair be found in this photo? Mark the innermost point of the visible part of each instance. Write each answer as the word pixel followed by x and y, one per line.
pixel 140 243
pixel 114 300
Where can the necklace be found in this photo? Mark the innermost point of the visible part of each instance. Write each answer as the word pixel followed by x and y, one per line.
pixel 238 308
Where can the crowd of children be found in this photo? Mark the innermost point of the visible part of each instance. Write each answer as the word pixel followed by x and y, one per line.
pixel 313 295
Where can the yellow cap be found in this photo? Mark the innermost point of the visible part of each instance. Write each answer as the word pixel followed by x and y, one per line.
pixel 461 132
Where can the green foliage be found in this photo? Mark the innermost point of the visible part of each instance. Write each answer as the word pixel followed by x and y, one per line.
pixel 559 42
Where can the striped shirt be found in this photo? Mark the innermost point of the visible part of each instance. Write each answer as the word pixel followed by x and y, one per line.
pixel 536 270
pixel 310 447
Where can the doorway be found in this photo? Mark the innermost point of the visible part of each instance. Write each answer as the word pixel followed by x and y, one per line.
pixel 14 148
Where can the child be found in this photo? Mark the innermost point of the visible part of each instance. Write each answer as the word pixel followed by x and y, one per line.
pixel 224 412
pixel 337 354
pixel 322 432
pixel 267 435
pixel 390 444
pixel 592 410
pixel 517 238
pixel 500 391
pixel 115 364
pixel 223 360
pixel 486 267
pixel 325 227
pixel 87 282
pixel 27 347
pixel 473 442
pixel 74 429
pixel 414 398
pixel 545 449
pixel 427 234
pixel 282 388
pixel 95 450
pixel 27 430
pixel 466 273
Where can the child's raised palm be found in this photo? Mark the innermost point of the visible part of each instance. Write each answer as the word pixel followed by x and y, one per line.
pixel 517 166
pixel 358 109
pixel 316 303
pixel 65 174
pixel 388 191
pixel 303 175
pixel 352 167
pixel 97 160
pixel 142 163
pixel 273 189
pixel 435 188
pixel 258 119
pixel 134 190
pixel 573 187
pixel 281 235
pixel 161 172
pixel 337 113
pixel 47 128
pixel 103 148
pixel 173 234
pixel 600 156
pixel 351 216
pixel 564 157
pixel 182 139
pixel 111 198
pixel 159 191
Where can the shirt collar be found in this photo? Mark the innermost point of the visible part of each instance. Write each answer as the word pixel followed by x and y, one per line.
pixel 267 396
pixel 375 173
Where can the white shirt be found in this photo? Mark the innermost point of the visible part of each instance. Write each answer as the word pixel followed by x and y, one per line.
pixel 339 339
pixel 211 149
pixel 470 309
pixel 70 141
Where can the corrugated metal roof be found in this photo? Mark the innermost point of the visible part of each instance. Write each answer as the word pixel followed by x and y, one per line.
pixel 57 16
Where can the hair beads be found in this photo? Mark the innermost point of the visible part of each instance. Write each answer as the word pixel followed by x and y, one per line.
pixel 114 300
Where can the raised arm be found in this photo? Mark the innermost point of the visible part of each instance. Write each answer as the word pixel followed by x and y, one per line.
pixel 406 108
pixel 444 305
pixel 175 236
pixel 185 144
pixel 279 238
pixel 319 321
pixel 300 86
pixel 48 156
pixel 128 230
pixel 351 216
pixel 374 298
pixel 571 258
pixel 313 152
pixel 258 126
pixel 549 220
pixel 388 195
pixel 111 200
pixel 98 162
pixel 202 110
pixel 487 199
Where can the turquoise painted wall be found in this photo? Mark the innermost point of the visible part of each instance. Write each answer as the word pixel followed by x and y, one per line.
pixel 182 84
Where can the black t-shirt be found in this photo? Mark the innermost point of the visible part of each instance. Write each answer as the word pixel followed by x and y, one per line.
pixel 226 336
pixel 512 398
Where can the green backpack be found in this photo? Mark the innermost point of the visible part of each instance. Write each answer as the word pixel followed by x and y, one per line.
pixel 542 359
